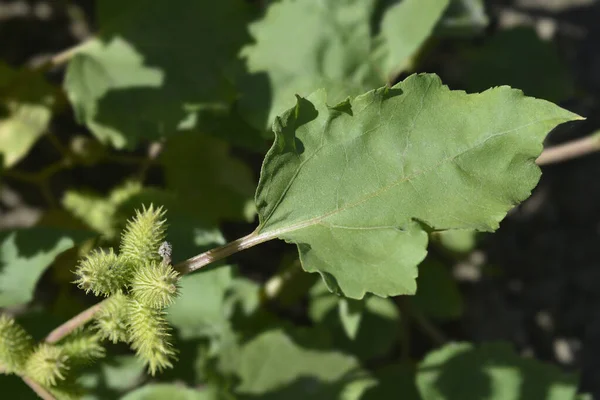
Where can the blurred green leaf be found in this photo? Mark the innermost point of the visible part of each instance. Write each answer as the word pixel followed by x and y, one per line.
pixel 519 58
pixel 26 102
pixel 463 17
pixel 334 184
pixel 170 391
pixel 101 212
pixel 404 28
pixel 155 66
pixel 111 376
pixel 350 312
pixel 437 295
pixel 24 256
pixel 463 371
pixel 200 310
pixel 376 333
pixel 204 175
pixel 273 367
pixel 457 240
pixel 301 46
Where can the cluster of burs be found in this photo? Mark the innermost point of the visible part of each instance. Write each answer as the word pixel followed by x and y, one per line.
pixel 139 284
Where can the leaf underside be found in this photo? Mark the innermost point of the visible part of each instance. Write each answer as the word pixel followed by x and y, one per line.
pixel 357 185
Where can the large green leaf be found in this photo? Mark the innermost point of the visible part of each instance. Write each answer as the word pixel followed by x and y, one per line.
pixel 154 66
pixel 492 371
pixel 26 102
pixel 355 184
pixel 331 42
pixel 273 367
pixel 25 255
pixel 344 46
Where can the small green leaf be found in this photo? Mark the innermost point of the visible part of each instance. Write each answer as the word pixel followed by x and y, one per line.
pixel 437 295
pixel 463 17
pixel 397 159
pixel 462 371
pixel 26 102
pixel 170 391
pixel 24 256
pixel 274 367
pixel 351 312
pixel 153 66
pixel 200 308
pixel 457 240
pixel 376 333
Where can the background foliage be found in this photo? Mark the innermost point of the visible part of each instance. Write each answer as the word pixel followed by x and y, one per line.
pixel 173 103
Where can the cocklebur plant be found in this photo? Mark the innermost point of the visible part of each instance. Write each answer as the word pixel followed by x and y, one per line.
pixel 401 162
pixel 139 284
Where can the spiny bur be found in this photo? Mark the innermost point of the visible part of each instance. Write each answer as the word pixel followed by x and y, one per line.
pixel 48 364
pixel 82 346
pixel 102 273
pixel 15 345
pixel 143 236
pixel 149 336
pixel 155 285
pixel 111 319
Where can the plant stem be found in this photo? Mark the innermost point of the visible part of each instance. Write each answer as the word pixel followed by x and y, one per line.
pixel 569 150
pixel 72 324
pixel 65 55
pixel 221 252
pixel 37 388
